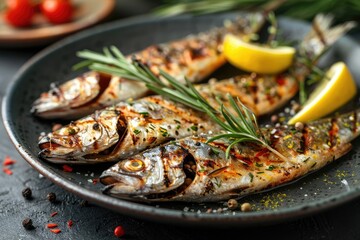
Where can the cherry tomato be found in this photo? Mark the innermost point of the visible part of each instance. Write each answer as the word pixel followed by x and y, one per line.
pixel 119 231
pixel 57 11
pixel 19 13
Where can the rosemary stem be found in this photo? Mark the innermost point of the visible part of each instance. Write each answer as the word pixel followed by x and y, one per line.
pixel 302 92
pixel 277 153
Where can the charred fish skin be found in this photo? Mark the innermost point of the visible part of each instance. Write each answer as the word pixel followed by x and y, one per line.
pixel 133 126
pixel 194 57
pixel 250 168
pixel 261 93
pixel 121 131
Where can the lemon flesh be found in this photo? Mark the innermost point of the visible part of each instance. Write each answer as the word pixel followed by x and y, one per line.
pixel 255 58
pixel 337 88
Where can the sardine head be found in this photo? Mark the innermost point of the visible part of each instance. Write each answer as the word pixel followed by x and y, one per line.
pixel 87 140
pixel 72 98
pixel 152 175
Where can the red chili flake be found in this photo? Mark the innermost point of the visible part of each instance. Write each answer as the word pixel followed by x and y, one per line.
pixel 8 161
pixel 70 223
pixel 280 80
pixel 264 152
pixel 119 231
pixel 51 225
pixel 56 230
pixel 53 214
pixel 95 181
pixel 7 171
pixel 67 168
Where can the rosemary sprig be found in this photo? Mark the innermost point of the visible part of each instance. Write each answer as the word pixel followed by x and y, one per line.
pixel 239 127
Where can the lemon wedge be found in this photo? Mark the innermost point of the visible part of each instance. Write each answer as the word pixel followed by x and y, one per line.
pixel 256 58
pixel 337 88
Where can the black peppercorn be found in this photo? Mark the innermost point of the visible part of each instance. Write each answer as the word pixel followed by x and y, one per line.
pixel 27 223
pixel 27 193
pixel 51 197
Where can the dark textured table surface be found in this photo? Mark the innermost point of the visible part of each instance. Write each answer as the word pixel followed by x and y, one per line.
pixel 92 222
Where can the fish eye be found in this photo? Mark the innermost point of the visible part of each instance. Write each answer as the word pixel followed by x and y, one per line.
pixel 134 165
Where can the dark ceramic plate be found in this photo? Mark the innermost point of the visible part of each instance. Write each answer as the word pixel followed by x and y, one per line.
pixel 334 184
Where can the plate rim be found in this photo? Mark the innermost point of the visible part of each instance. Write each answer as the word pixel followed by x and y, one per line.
pixel 31 35
pixel 139 210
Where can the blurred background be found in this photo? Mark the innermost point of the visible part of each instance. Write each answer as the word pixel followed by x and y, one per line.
pixel 15 31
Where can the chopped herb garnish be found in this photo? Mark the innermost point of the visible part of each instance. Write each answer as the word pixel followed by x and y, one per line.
pixel 307 159
pixel 214 150
pixel 177 121
pixel 217 182
pixel 251 176
pixel 202 170
pixel 194 128
pixel 259 164
pixel 145 114
pixel 299 150
pixel 178 127
pixel 314 164
pixel 136 131
pixel 260 172
pixel 271 167
pixel 164 132
pixel 71 131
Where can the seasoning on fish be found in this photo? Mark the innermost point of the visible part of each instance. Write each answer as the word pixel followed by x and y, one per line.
pixel 121 131
pixel 194 57
pixel 130 127
pixel 159 174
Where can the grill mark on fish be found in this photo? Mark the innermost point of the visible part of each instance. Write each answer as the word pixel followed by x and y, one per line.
pixel 254 88
pixel 333 133
pixel 354 122
pixel 197 53
pixel 247 161
pixel 103 81
pixel 151 140
pixel 163 154
pixel 304 141
pixel 274 138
